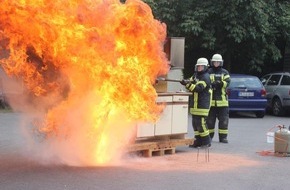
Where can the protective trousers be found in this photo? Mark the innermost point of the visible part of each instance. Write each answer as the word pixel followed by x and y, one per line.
pixel 222 114
pixel 201 132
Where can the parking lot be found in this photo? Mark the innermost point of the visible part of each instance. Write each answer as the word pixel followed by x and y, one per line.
pixel 247 162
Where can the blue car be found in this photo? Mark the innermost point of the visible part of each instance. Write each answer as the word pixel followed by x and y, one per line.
pixel 246 93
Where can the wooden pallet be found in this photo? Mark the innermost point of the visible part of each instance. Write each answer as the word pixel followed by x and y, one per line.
pixel 159 146
pixel 157 152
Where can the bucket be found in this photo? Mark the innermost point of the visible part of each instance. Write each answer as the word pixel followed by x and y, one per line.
pixel 270 137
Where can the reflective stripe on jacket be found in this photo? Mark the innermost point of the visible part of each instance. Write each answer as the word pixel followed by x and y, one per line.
pixel 202 92
pixel 219 97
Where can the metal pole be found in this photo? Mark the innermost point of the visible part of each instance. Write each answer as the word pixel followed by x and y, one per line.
pixel 168 80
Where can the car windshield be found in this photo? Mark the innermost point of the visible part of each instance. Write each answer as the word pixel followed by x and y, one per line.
pixel 245 83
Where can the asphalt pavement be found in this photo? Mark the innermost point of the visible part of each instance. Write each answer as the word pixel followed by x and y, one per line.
pixel 247 162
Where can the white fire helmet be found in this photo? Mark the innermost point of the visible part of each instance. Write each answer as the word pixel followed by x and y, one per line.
pixel 201 61
pixel 217 58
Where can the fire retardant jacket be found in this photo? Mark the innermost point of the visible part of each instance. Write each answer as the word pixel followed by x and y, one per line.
pixel 220 80
pixel 200 86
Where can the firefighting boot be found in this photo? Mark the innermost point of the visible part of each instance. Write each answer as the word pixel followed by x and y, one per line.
pixel 223 138
pixel 206 141
pixel 197 142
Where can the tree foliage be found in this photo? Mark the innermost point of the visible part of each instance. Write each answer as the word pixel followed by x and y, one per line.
pixel 249 34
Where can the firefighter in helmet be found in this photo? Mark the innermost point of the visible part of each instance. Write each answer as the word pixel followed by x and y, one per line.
pixel 220 80
pixel 199 85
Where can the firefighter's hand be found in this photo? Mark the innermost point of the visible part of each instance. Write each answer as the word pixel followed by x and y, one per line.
pixel 217 84
pixel 190 86
pixel 184 82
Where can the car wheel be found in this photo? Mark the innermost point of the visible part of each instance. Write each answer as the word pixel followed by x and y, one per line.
pixel 260 114
pixel 277 107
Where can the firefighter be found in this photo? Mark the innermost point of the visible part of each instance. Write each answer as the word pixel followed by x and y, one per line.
pixel 199 85
pixel 220 80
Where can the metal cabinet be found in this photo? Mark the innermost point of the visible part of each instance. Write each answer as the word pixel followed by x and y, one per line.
pixel 179 121
pixel 173 120
pixel 145 130
pixel 163 125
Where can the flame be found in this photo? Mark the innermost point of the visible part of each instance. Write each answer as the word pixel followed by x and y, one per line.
pixel 90 64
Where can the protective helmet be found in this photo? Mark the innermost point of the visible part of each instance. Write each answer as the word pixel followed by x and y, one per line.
pixel 201 61
pixel 218 58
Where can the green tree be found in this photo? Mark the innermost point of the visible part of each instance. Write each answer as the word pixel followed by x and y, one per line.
pixel 249 34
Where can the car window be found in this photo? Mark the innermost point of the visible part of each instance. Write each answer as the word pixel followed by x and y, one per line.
pixel 245 83
pixel 264 79
pixel 253 83
pixel 237 82
pixel 285 80
pixel 274 80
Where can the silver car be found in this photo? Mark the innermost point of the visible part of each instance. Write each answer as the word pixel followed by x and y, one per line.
pixel 277 86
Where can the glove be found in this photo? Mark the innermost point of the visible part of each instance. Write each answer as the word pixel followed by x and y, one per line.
pixel 217 84
pixel 184 82
pixel 194 81
pixel 190 86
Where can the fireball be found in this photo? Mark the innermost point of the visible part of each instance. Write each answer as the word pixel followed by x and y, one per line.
pixel 89 67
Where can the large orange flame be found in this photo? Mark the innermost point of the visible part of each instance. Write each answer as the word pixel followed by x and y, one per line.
pixel 90 64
